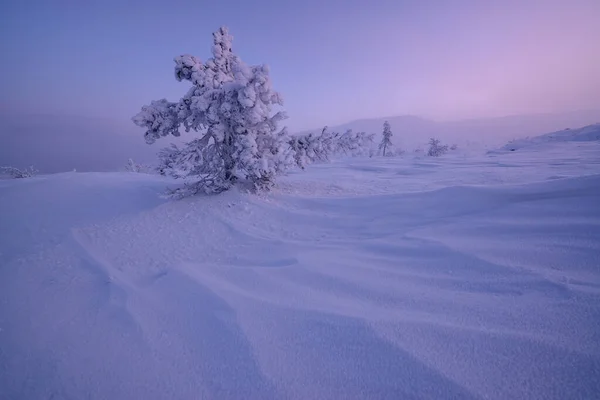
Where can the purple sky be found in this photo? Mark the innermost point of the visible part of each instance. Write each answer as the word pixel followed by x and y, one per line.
pixel 333 60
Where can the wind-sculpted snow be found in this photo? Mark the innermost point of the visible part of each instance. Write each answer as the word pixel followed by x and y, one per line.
pixel 398 278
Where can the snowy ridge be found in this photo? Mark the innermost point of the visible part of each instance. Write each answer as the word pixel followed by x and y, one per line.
pixel 377 278
pixel 586 134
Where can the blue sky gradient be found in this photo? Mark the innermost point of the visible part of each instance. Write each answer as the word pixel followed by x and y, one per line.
pixel 333 60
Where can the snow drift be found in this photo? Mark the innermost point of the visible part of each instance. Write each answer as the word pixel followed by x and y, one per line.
pixel 388 278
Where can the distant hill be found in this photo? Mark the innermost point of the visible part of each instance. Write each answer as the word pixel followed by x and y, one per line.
pixel 586 134
pixel 413 131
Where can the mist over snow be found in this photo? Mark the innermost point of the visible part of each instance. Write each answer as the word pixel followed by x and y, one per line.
pixel 55 143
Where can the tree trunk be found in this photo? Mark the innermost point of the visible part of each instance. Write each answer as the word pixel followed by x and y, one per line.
pixel 228 161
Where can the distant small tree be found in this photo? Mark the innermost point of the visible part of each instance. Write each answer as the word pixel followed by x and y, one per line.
pixel 386 140
pixel 435 148
pixel 454 147
pixel 17 173
pixel 132 166
pixel 230 104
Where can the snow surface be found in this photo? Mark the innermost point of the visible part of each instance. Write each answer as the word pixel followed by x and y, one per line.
pixel 466 276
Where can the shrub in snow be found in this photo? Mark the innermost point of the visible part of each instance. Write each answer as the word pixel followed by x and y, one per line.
pixel 435 148
pixel 398 152
pixel 354 144
pixel 454 147
pixel 311 148
pixel 386 140
pixel 17 173
pixel 230 104
pixel 132 166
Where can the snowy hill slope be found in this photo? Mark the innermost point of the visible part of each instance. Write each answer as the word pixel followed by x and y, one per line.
pixel 588 133
pixel 381 278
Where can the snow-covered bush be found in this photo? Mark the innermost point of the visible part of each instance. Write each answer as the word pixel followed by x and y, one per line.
pixel 435 148
pixel 386 140
pixel 398 152
pixel 230 104
pixel 311 148
pixel 133 166
pixel 454 147
pixel 18 173
pixel 354 144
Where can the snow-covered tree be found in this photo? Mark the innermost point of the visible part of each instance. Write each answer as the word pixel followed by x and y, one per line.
pixel 435 148
pixel 230 104
pixel 132 166
pixel 386 140
pixel 18 173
